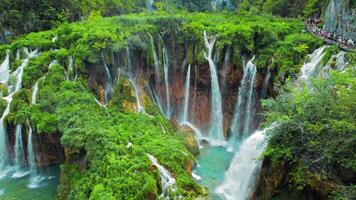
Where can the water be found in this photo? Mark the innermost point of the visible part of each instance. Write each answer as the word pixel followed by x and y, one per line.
pixel 34 92
pixel 155 94
pixel 241 122
pixel 71 71
pixel 225 66
pixel 166 82
pixel 5 70
pixel 212 163
pixel 311 68
pixel 184 117
pixel 216 131
pixel 266 83
pixel 19 154
pixel 109 86
pixel 140 108
pixel 337 62
pixel 240 177
pixel 149 4
pixel 4 155
pixel 167 181
pixel 18 189
pixel 35 179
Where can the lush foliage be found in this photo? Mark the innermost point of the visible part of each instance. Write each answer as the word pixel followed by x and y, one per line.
pixel 286 8
pixel 316 133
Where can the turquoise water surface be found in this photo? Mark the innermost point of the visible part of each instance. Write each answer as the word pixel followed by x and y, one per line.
pixel 212 164
pixel 18 189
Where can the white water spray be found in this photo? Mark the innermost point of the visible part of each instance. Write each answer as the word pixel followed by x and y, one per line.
pixel 166 82
pixel 240 177
pixel 241 122
pixel 184 117
pixel 311 69
pixel 19 154
pixel 5 70
pixel 216 132
pixel 4 155
pixel 167 181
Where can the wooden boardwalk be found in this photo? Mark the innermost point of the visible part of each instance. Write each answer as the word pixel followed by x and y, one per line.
pixel 343 46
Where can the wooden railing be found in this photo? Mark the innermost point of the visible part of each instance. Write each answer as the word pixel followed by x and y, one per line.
pixel 312 28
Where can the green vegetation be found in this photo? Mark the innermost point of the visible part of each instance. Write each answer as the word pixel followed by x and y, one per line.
pixel 286 8
pixel 98 139
pixel 316 134
pixel 269 38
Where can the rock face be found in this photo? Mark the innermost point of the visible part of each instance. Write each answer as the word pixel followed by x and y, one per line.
pixel 340 18
pixel 142 69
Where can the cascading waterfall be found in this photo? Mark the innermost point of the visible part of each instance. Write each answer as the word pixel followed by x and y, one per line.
pixel 311 69
pixel 251 68
pixel 337 62
pixel 31 157
pixel 240 177
pixel 167 181
pixel 184 117
pixel 133 81
pixel 5 70
pixel 266 83
pixel 241 122
pixel 19 154
pixel 34 92
pixel 109 86
pixel 4 155
pixel 225 66
pixel 71 71
pixel 166 82
pixel 216 132
pixel 149 4
pixel 156 96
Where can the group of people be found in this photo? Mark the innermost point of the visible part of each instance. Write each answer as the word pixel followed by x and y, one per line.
pixel 313 27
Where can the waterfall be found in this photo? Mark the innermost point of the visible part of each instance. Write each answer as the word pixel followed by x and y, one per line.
pixel 155 94
pixel 149 4
pixel 337 62
pixel 225 67
pixel 5 70
pixel 19 154
pixel 34 92
pixel 4 155
pixel 266 83
pixel 109 86
pixel 140 108
pixel 216 132
pixel 70 71
pixel 240 177
pixel 133 81
pixel 310 68
pixel 243 111
pixel 167 181
pixel 166 82
pixel 184 118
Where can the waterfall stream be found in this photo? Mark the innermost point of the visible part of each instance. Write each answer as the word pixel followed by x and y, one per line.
pixel 266 83
pixel 17 74
pixel 240 176
pixel 5 70
pixel 166 82
pixel 19 154
pixel 216 130
pixel 167 181
pixel 241 122
pixel 311 68
pixel 184 117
